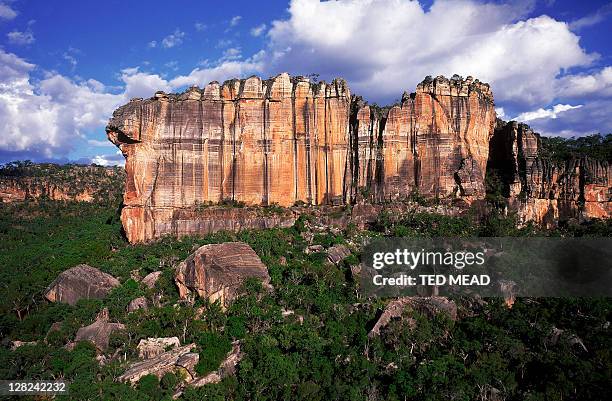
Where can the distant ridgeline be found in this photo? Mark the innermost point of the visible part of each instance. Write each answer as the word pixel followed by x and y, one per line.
pixel 288 141
pixel 24 180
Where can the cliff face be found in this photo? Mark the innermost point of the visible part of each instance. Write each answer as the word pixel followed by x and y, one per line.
pixel 436 142
pixel 544 191
pixel 286 140
pixel 19 182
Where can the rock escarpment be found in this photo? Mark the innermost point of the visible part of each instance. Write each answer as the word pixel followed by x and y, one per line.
pixel 21 181
pixel 543 190
pixel 286 141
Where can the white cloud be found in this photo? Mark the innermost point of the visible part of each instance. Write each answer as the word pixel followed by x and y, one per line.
pixel 235 20
pixel 142 84
pixel 199 26
pixel 383 47
pixel 174 39
pixel 47 117
pixel 20 38
pixel 500 112
pixel 232 53
pixel 95 142
pixel 116 159
pixel 152 44
pixel 6 12
pixel 592 19
pixel 552 112
pixel 258 30
pixel 598 84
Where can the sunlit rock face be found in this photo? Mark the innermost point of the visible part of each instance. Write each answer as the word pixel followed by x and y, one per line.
pixel 286 141
pixel 544 191
pixel 435 142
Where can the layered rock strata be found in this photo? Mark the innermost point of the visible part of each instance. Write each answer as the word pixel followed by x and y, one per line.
pixel 542 190
pixel 80 282
pixel 286 141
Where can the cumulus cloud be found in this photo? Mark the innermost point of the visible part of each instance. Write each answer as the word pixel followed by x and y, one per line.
pixel 174 39
pixel 385 46
pixel 20 38
pixel 46 118
pixel 592 118
pixel 258 30
pixel 199 26
pixel 552 112
pixel 598 84
pixel 6 12
pixel 115 159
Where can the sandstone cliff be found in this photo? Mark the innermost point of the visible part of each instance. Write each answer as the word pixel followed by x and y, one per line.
pixel 286 141
pixel 542 190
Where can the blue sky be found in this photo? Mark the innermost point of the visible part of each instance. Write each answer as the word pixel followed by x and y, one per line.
pixel 66 65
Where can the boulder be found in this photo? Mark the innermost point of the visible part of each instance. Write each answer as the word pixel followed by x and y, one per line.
pixel 16 344
pixel 430 306
pixel 137 303
pixel 99 331
pixel 338 253
pixel 151 279
pixel 80 282
pixel 152 347
pixel 217 271
pixel 158 366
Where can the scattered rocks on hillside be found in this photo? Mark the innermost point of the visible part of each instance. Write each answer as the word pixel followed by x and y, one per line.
pixel 556 335
pixel 80 282
pixel 338 253
pixel 99 331
pixel 314 249
pixel 151 279
pixel 217 271
pixel 159 365
pixel 430 306
pixel 16 344
pixel 152 347
pixel 137 303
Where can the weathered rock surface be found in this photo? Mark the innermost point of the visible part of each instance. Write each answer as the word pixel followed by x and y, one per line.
pixel 428 305
pixel 137 303
pixel 217 271
pixel 80 282
pixel 151 279
pixel 99 331
pixel 544 191
pixel 158 366
pixel 338 253
pixel 286 140
pixel 152 347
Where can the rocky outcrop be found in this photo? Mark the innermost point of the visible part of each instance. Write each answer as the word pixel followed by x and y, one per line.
pixel 429 306
pixel 21 181
pixel 217 271
pixel 285 141
pixel 80 282
pixel 151 279
pixel 227 368
pixel 138 303
pixel 543 190
pixel 152 347
pixel 99 332
pixel 161 364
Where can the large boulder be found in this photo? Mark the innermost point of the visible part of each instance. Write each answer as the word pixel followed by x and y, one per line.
pixel 151 279
pixel 161 364
pixel 99 332
pixel 217 271
pixel 80 282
